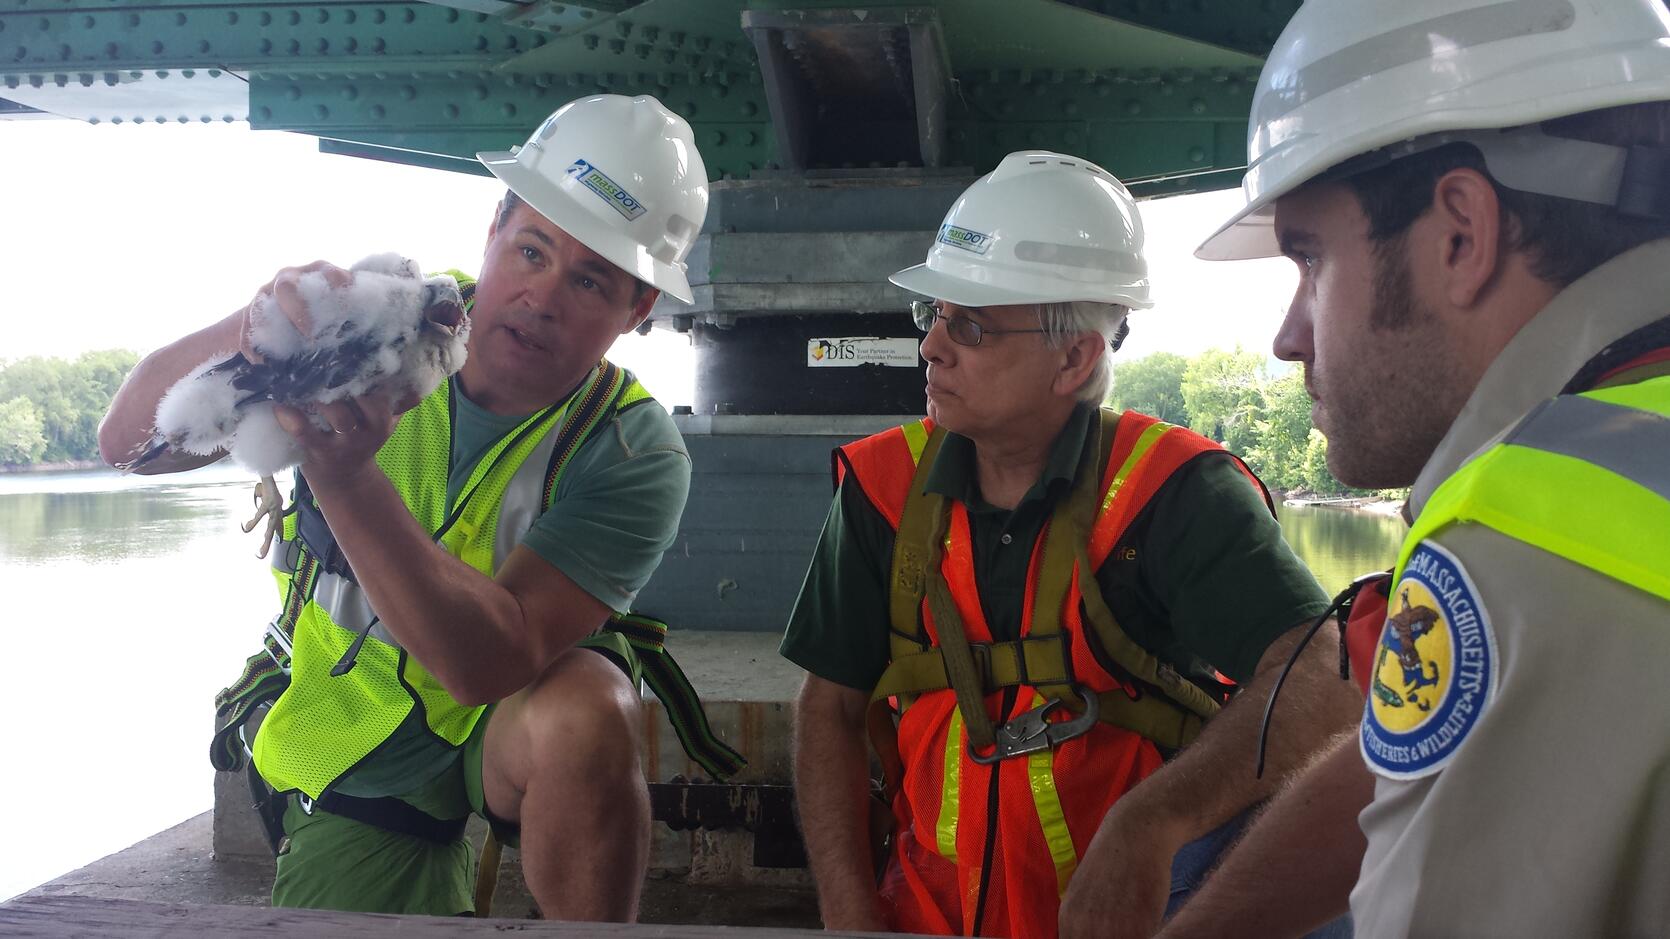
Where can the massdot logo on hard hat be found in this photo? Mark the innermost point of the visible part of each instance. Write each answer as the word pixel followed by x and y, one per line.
pixel 612 192
pixel 965 238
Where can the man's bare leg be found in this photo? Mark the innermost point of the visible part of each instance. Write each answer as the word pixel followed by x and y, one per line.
pixel 562 758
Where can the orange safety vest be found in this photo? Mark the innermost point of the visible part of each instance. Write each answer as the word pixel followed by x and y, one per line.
pixel 988 848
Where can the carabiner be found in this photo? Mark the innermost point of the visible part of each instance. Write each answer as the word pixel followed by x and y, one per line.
pixel 1034 731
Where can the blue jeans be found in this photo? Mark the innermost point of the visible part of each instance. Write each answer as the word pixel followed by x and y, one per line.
pixel 1195 860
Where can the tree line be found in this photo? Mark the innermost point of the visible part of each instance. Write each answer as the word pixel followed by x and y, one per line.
pixel 1229 395
pixel 50 408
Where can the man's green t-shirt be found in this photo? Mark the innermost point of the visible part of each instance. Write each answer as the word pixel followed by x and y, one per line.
pixel 1202 578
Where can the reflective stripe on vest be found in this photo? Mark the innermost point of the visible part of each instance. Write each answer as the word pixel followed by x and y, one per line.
pixel 1584 477
pixel 324 725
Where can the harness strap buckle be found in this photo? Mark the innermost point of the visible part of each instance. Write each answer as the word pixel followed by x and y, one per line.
pixel 1034 731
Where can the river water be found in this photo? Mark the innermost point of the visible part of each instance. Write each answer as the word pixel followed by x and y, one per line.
pixel 138 598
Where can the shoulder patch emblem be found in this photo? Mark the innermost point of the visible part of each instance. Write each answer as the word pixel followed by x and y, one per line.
pixel 1434 671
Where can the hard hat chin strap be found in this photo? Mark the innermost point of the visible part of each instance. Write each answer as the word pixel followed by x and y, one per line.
pixel 1635 180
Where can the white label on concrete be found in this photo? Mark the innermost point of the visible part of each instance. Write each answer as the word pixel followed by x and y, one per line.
pixel 849 351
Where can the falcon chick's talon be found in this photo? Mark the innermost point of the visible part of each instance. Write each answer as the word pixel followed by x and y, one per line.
pixel 269 504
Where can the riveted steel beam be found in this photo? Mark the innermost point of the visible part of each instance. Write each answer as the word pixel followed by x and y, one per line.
pixel 319 36
pixel 1247 25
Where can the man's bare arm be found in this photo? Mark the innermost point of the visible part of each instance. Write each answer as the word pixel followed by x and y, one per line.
pixel 1294 868
pixel 832 786
pixel 481 637
pixel 1124 878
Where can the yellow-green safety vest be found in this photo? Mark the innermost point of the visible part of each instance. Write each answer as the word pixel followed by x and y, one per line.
pixel 1582 476
pixel 323 725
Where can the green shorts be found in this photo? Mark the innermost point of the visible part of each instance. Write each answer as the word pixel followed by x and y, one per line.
pixel 333 863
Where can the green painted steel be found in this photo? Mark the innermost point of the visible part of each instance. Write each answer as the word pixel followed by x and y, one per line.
pixel 1156 90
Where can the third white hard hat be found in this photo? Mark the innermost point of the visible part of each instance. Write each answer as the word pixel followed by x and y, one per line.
pixel 622 176
pixel 1348 77
pixel 1042 227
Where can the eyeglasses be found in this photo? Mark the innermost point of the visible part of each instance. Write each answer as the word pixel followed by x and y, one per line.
pixel 962 330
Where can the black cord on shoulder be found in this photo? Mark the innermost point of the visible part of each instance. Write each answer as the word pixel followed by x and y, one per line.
pixel 1343 601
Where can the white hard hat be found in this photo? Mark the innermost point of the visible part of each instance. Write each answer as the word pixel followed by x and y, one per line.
pixel 622 176
pixel 1041 228
pixel 1350 77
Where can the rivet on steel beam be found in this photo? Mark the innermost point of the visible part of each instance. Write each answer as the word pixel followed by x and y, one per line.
pixel 650 33
pixel 676 38
pixel 507 109
pixel 204 119
pixel 295 17
pixel 749 108
pixel 183 119
pixel 293 93
pixel 1196 155
pixel 452 15
pixel 378 45
pixel 21 53
pixel 88 22
pixel 749 138
pixel 409 15
pixel 617 46
pixel 1198 105
pixel 1167 88
pixel 85 79
pixel 110 78
pixel 351 92
pixel 1133 107
pixel 480 92
pixel 511 43
pixel 1069 108
pixel 265 45
pixel 589 41
pixel 321 112
pixel 266 113
pixel 323 15
pixel 294 47
pixel 1070 137
pixel 642 50
pixel 542 80
pixel 111 50
pixel 227 118
pixel 1006 109
pixel 188 73
pixel 350 17
pixel 157 47
pixel 133 19
pixel 214 73
pixel 452 110
pixel 481 17
pixel 1039 90
pixel 719 91
pixel 378 111
pixel 481 43
pixel 136 74
pixel 115 120
pixel 379 15
pixel 323 45
pixel 265 19
pixel 352 45
pixel 162 73
pixel 44 24
pixel 702 42
pixel 407 92
pixel 179 20
pixel 138 120
pixel 716 138
pixel 202 46
pixel 62 81
pixel 623 29
pixel 689 109
pixel 92 120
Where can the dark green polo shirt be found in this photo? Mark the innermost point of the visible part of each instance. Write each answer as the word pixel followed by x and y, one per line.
pixel 1202 577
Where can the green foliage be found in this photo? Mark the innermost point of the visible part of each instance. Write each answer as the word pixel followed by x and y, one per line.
pixel 1223 392
pixel 21 436
pixel 1153 385
pixel 1228 396
pixel 68 398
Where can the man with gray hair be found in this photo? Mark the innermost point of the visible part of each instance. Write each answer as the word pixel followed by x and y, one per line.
pixel 1034 605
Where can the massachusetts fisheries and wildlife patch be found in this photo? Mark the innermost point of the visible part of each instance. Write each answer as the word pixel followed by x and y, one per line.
pixel 1435 670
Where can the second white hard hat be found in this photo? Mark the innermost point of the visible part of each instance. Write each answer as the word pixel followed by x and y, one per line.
pixel 1043 227
pixel 1349 77
pixel 622 176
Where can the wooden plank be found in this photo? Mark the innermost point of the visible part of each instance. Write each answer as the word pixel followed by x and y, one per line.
pixel 60 917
